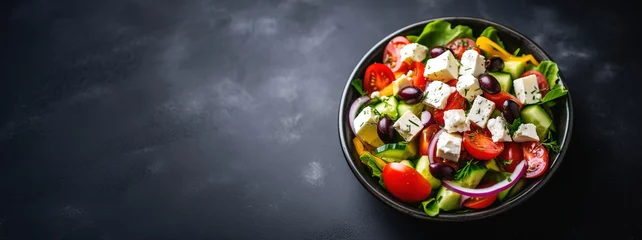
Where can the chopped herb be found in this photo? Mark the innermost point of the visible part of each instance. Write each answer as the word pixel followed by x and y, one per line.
pixel 357 83
pixel 465 171
pixel 361 125
pixel 376 112
pixel 504 161
pixel 509 179
pixel 513 127
pixel 466 69
pixel 465 91
pixel 534 91
pixel 414 123
pixel 550 143
pixel 439 88
pixel 478 110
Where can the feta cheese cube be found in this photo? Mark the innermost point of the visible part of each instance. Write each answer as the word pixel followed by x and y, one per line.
pixel 413 52
pixel 449 146
pixel 472 63
pixel 408 126
pixel 526 133
pixel 437 94
pixel 468 87
pixel 365 125
pixel 499 129
pixel 401 82
pixel 455 121
pixel 527 90
pixel 442 68
pixel 480 111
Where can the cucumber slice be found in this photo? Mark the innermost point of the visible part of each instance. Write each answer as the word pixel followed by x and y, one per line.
pixel 515 68
pixel 512 191
pixel 388 107
pixel 492 165
pixel 392 150
pixel 537 115
pixel 414 108
pixel 505 80
pixel 448 200
pixel 474 177
pixel 423 167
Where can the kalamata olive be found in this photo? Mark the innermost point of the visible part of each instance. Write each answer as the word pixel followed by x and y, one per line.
pixel 511 110
pixel 385 129
pixel 494 64
pixel 410 94
pixel 436 51
pixel 489 84
pixel 442 171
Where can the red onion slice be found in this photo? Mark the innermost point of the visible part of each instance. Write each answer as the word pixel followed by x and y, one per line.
pixel 432 147
pixel 354 108
pixel 462 199
pixel 520 169
pixel 426 118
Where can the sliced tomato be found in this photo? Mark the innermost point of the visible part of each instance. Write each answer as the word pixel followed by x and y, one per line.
pixel 418 79
pixel 460 45
pixel 536 156
pixel 405 183
pixel 426 137
pixel 480 145
pixel 502 96
pixel 542 83
pixel 455 101
pixel 452 83
pixel 512 155
pixel 481 202
pixel 391 56
pixel 377 77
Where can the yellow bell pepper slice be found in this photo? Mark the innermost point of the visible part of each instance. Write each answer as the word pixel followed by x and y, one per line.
pixel 492 48
pixel 361 149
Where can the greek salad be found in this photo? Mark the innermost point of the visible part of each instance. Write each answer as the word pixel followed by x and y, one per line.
pixel 453 121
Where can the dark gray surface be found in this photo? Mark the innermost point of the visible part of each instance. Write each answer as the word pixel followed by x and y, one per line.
pixel 216 120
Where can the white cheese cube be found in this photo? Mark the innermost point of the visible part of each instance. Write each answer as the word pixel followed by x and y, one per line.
pixel 365 125
pixel 444 67
pixel 468 87
pixel 413 52
pixel 401 82
pixel 499 129
pixel 472 63
pixel 408 126
pixel 455 121
pixel 449 146
pixel 526 89
pixel 526 133
pixel 437 94
pixel 480 111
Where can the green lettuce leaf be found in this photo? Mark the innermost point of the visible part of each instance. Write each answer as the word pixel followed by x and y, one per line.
pixel 549 69
pixel 357 83
pixel 369 160
pixel 491 33
pixel 439 33
pixel 431 207
pixel 557 92
pixel 412 38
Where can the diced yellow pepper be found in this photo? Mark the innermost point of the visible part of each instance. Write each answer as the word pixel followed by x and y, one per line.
pixel 361 149
pixel 492 48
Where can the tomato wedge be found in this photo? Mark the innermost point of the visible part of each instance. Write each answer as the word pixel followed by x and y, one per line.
pixel 405 183
pixel 426 137
pixel 391 56
pixel 377 77
pixel 512 155
pixel 479 145
pixel 481 202
pixel 502 96
pixel 536 156
pixel 460 45
pixel 418 79
pixel 455 101
pixel 542 83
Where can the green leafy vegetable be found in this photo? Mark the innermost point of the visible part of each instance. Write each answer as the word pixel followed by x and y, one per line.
pixel 466 170
pixel 357 83
pixel 549 69
pixel 431 206
pixel 371 162
pixel 550 143
pixel 491 33
pixel 550 104
pixel 439 33
pixel 513 127
pixel 555 93
pixel 412 38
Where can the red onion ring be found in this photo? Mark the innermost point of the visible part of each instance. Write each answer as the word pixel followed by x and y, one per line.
pixel 520 169
pixel 432 147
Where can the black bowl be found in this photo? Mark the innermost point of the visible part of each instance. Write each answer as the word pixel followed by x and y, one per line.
pixel 562 115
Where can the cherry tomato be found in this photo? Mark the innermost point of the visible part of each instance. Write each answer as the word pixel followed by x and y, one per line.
pixel 426 137
pixel 481 146
pixel 542 83
pixel 502 96
pixel 391 56
pixel 405 183
pixel 460 45
pixel 481 202
pixel 536 156
pixel 377 77
pixel 512 153
pixel 418 79
pixel 455 101
pixel 452 83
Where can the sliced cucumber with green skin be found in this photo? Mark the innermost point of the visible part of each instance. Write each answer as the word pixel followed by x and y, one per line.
pixel 492 165
pixel 537 115
pixel 496 113
pixel 423 167
pixel 474 177
pixel 392 150
pixel 505 80
pixel 514 68
pixel 414 108
pixel 448 200
pixel 388 108
pixel 512 191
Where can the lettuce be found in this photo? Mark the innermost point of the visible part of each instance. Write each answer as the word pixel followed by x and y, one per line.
pixel 370 161
pixel 549 69
pixel 412 38
pixel 431 206
pixel 439 33
pixel 491 33
pixel 357 83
